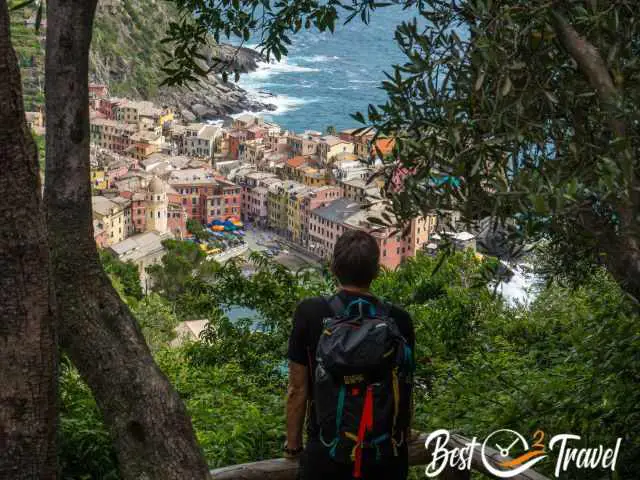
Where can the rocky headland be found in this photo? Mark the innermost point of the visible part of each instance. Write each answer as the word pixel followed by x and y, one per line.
pixel 126 54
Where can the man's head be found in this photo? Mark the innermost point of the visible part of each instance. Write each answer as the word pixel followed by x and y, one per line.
pixel 356 259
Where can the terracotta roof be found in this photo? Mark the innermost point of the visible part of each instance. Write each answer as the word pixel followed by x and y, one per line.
pixel 296 162
pixel 385 145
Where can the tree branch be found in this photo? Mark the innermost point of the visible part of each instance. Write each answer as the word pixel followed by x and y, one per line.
pixel 591 64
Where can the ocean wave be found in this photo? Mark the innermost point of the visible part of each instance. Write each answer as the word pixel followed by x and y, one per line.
pixel 268 69
pixel 268 85
pixel 363 81
pixel 283 103
pixel 319 58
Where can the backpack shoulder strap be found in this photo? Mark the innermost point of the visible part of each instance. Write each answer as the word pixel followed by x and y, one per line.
pixel 384 308
pixel 337 306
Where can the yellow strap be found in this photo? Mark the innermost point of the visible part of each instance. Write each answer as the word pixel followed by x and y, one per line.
pixel 396 398
pixel 351 436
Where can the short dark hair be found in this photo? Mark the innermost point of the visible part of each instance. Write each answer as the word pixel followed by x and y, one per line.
pixel 356 258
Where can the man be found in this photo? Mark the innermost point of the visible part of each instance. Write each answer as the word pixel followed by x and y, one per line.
pixel 355 264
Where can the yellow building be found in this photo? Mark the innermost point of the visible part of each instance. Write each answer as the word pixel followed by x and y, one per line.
pixel 294 212
pixel 143 112
pixel 278 204
pixel 111 218
pixel 99 179
pixel 277 199
pixel 313 177
pixel 331 146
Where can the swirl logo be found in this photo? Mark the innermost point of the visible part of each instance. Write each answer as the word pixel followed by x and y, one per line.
pixel 504 441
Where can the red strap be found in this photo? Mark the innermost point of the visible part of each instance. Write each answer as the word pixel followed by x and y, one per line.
pixel 366 423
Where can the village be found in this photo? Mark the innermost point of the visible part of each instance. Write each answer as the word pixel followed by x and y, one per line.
pixel 243 179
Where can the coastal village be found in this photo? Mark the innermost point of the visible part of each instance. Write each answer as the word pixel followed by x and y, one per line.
pixel 152 172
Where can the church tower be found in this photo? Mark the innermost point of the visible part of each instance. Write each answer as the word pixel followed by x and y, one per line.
pixel 157 206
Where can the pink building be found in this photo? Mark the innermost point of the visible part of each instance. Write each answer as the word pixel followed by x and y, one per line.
pixel 176 217
pixel 235 139
pixel 98 90
pixel 318 197
pixel 205 196
pixel 327 223
pixel 255 193
pixel 255 132
pixel 116 171
pixel 107 107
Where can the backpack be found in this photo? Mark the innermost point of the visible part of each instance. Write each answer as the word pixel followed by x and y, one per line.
pixel 363 383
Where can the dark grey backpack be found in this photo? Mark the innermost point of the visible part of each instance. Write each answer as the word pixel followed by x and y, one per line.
pixel 363 382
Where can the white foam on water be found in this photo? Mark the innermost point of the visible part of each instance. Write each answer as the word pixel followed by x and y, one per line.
pixel 283 104
pixel 267 70
pixel 319 58
pixel 363 81
pixel 520 289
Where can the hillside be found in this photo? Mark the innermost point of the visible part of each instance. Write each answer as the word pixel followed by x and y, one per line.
pixel 125 54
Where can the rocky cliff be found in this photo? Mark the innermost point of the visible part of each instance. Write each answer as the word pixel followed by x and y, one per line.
pixel 126 54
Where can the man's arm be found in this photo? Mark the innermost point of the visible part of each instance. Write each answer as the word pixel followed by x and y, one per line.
pixel 297 395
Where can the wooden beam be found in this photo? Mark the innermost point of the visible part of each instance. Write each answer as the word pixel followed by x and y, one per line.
pixel 283 469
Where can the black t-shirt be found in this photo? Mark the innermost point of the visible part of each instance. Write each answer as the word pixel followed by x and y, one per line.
pixel 307 328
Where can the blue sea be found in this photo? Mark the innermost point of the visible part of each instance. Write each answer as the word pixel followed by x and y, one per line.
pixel 327 76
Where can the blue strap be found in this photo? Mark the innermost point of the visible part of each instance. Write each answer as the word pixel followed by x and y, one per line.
pixel 376 441
pixel 360 302
pixel 341 397
pixel 408 358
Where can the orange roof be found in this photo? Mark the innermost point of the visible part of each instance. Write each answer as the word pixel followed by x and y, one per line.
pixel 295 162
pixel 385 145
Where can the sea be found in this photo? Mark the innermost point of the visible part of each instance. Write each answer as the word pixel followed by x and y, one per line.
pixel 326 77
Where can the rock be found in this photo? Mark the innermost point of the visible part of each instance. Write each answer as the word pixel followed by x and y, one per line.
pixel 187 115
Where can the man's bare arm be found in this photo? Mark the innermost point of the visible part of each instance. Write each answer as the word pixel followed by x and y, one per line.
pixel 297 395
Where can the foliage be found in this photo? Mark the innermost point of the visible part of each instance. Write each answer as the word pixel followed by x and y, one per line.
pixel 157 320
pixel 125 275
pixel 172 277
pixel 197 230
pixel 237 412
pixel 566 363
pixel 29 46
pixel 528 105
pixel 563 365
pixel 84 446
pixel 130 30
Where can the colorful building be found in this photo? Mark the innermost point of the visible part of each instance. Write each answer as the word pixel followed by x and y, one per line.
pixel 278 204
pixel 361 139
pixel 305 145
pixel 330 146
pixel 316 198
pixel 110 217
pixel 205 142
pixel 255 195
pixel 112 134
pixel 98 178
pixel 326 224
pixel 235 141
pixel 206 196
pixel 143 112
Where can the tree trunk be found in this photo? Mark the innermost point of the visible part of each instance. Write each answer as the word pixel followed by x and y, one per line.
pixel 152 432
pixel 621 249
pixel 27 327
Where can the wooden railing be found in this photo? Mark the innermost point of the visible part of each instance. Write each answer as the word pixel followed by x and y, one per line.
pixel 283 469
